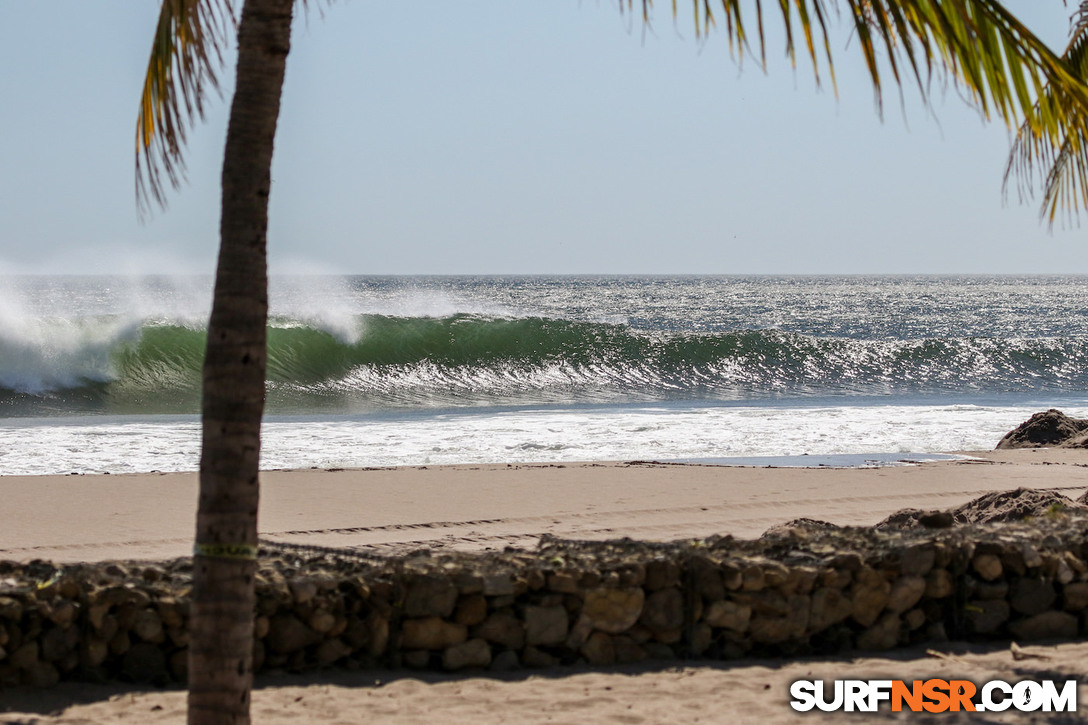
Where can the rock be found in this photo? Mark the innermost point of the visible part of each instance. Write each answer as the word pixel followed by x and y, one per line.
pixel 917 560
pixel 661 573
pixel 1064 573
pixel 905 593
pixel 614 610
pixel 322 621
pixel 1075 596
pixel 534 657
pixel 768 602
pixel 1047 625
pixel 599 650
pixel 471 653
pixel 869 595
pixel 431 633
pixel 936 520
pixel 1052 428
pixel 754 578
pixel 990 590
pixel 663 610
pixel 287 634
pixel 828 606
pixel 148 627
pixel 939 584
pixel 180 637
pixel 835 578
pixel 416 659
pixel 771 630
pixel 11 609
pixel 471 610
pixel 63 613
pixel 914 619
pixel 25 656
pixel 1032 595
pixel 496 585
pixel 627 651
pixel 563 582
pixel 1031 556
pixel 658 651
pixel 96 615
pixel 145 663
pixel 430 596
pixel 505 662
pixel 502 628
pixel 988 566
pixel 179 665
pixel 330 651
pixel 775 575
pixel 986 616
pixel 545 626
pixel 729 615
pixel 801 580
pixel 774 630
pixel 172 612
pixel 42 675
pixel 1075 563
pixel 58 643
pixel 579 633
pixel 124 594
pixel 706 578
pixel 378 629
pixel 731 576
pixel 699 642
pixel 93 652
pixel 883 635
pixel 303 591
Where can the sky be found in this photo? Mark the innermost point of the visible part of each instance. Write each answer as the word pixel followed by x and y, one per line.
pixel 527 137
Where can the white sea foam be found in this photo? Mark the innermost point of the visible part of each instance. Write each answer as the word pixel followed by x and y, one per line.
pixel 172 444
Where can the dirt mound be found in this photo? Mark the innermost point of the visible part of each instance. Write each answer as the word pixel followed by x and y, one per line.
pixel 1016 505
pixel 801 524
pixel 1052 428
pixel 1013 506
pixel 918 518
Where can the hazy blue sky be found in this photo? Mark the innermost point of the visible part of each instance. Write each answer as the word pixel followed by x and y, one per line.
pixel 513 136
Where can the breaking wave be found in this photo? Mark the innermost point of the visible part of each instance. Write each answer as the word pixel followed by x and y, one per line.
pixel 104 364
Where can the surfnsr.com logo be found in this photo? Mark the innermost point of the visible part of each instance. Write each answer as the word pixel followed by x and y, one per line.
pixel 934 695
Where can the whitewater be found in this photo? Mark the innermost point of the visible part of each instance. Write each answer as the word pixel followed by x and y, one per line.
pixel 102 374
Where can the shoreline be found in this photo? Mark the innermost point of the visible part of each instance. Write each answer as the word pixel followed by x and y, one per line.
pixel 490 506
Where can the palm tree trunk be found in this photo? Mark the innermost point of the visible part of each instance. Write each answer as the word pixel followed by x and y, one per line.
pixel 224 561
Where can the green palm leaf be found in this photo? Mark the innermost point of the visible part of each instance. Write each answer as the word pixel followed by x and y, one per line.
pixel 190 38
pixel 1060 169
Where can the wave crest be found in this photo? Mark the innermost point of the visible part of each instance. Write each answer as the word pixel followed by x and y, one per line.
pixel 466 359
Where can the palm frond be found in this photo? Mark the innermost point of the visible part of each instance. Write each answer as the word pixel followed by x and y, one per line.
pixel 1005 70
pixel 1062 169
pixel 187 51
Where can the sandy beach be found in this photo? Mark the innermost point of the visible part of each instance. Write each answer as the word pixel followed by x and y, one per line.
pixel 150 516
pixel 87 518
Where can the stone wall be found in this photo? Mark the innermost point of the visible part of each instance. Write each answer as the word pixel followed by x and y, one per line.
pixel 805 589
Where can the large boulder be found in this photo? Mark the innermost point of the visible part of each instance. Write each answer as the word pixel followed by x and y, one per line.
pixel 1052 428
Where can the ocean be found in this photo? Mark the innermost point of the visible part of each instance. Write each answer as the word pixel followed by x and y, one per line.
pixel 102 374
